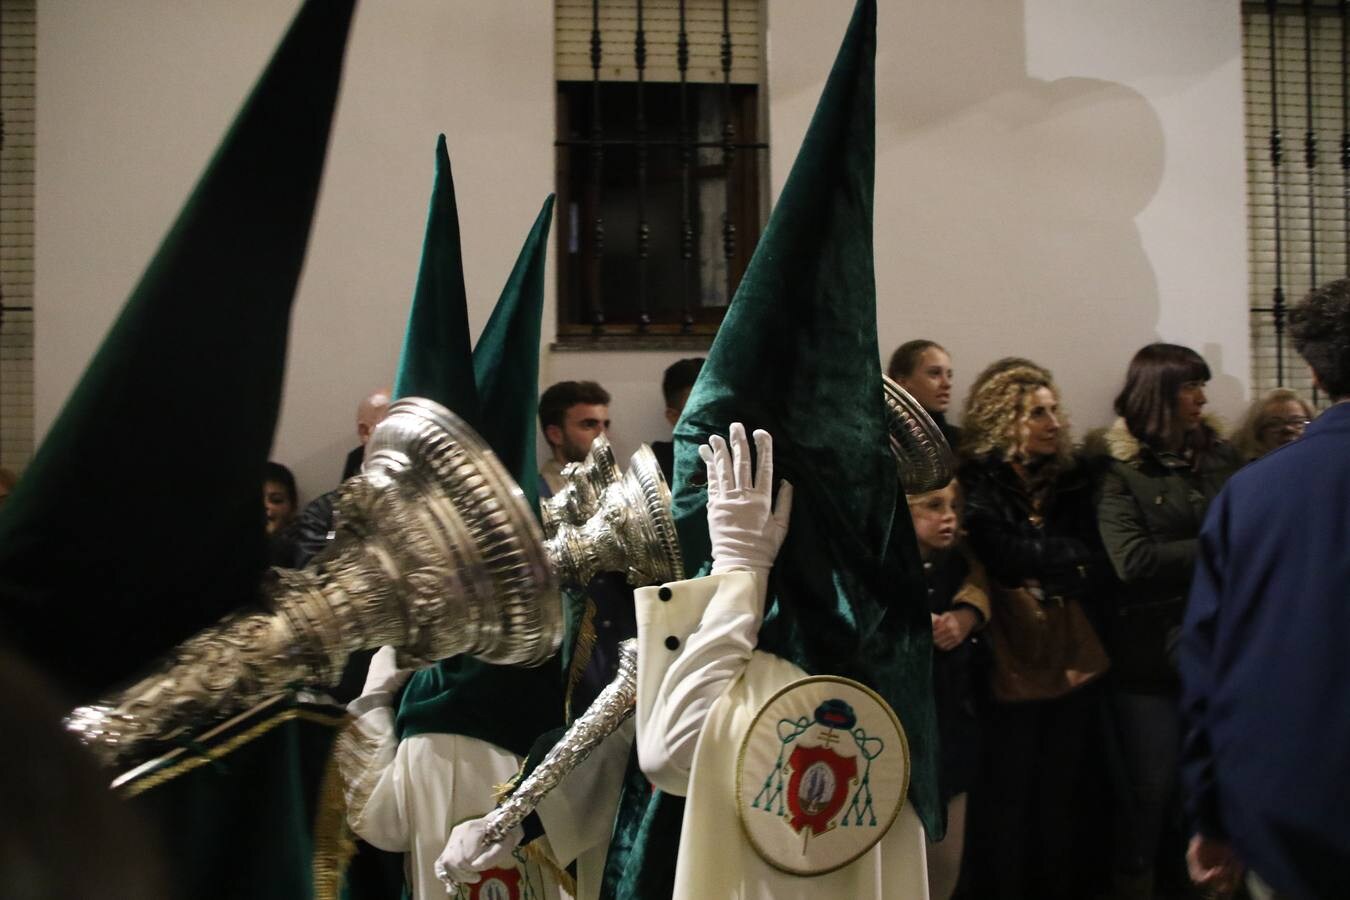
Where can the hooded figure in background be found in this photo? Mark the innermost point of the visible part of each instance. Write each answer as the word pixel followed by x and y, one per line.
pixel 416 763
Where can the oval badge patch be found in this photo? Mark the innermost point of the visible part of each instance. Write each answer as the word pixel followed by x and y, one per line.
pixel 822 774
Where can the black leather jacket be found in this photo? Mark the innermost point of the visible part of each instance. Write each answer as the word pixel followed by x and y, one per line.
pixel 1058 545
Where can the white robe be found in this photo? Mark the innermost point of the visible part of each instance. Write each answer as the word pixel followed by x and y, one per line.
pixel 700 684
pixel 578 815
pixel 405 796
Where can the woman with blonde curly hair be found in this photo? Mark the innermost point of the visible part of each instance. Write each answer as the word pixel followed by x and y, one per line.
pixel 1274 420
pixel 1031 521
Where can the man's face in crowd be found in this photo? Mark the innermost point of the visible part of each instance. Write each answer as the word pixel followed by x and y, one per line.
pixel 931 381
pixel 673 412
pixel 582 423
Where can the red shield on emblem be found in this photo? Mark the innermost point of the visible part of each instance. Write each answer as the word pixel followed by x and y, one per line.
pixel 818 786
pixel 496 884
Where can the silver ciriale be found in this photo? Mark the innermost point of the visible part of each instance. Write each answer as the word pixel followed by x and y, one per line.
pixel 586 484
pixel 606 713
pixel 435 552
pixel 921 452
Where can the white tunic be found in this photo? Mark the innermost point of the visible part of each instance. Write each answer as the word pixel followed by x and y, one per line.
pixel 700 684
pixel 405 796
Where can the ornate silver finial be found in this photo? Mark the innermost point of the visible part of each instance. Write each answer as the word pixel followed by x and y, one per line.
pixel 586 484
pixel 632 531
pixel 436 552
pixel 921 452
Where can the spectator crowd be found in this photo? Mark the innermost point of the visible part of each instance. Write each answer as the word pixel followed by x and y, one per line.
pixel 1057 568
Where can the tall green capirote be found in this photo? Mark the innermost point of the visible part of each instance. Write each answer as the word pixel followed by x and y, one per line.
pixel 99 572
pixel 797 355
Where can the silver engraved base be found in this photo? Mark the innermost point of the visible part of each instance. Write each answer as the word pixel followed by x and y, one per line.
pixel 435 552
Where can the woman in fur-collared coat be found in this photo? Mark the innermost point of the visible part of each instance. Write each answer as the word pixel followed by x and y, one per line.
pixel 1166 463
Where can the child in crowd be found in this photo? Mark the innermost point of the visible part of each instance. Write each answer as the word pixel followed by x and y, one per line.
pixel 958 599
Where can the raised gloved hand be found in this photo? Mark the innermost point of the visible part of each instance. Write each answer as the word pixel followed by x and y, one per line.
pixel 384 676
pixel 745 529
pixel 466 854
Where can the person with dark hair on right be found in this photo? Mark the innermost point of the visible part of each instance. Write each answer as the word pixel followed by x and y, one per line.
pixel 1263 653
pixel 676 384
pixel 924 369
pixel 573 414
pixel 1165 463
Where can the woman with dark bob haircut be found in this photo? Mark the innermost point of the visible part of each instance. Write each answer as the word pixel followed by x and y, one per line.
pixel 1165 464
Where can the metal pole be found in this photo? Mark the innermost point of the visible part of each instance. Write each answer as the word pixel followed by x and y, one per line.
pixel 686 161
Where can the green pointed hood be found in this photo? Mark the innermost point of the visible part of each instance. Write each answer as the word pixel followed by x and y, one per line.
pixel 139 521
pixel 464 695
pixel 797 355
pixel 436 362
pixel 506 361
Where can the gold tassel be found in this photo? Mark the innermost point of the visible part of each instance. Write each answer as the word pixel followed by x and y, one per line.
pixel 581 655
pixel 334 843
pixel 534 852
pixel 505 789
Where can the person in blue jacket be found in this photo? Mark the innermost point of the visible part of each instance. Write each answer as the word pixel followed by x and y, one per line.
pixel 1265 650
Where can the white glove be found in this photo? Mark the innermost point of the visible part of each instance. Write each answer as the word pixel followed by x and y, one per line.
pixel 465 854
pixel 745 531
pixel 384 676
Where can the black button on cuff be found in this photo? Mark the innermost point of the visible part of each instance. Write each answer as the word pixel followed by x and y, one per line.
pixel 665 593
pixel 672 643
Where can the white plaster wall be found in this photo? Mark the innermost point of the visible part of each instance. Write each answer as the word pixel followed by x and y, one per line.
pixel 1055 179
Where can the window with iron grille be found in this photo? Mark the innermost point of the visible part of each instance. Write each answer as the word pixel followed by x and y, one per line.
pixel 18 46
pixel 659 156
pixel 1298 157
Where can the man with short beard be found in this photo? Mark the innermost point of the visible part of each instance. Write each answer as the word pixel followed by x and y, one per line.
pixel 572 414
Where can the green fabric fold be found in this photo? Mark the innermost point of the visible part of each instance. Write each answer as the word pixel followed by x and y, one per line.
pixel 506 361
pixel 98 575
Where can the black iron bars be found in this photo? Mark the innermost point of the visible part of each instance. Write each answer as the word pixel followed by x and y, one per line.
pixel 686 161
pixel 644 319
pixel 597 169
pixel 1345 127
pixel 1277 306
pixel 728 152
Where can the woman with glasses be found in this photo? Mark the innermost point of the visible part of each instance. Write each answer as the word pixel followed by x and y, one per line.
pixel 1165 464
pixel 1274 420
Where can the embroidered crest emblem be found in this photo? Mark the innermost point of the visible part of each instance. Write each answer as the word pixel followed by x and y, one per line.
pixel 497 884
pixel 516 883
pixel 829 766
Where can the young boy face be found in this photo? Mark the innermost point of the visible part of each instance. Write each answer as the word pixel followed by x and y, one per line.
pixel 937 516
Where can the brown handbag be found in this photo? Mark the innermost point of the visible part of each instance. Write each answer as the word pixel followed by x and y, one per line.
pixel 1042 648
